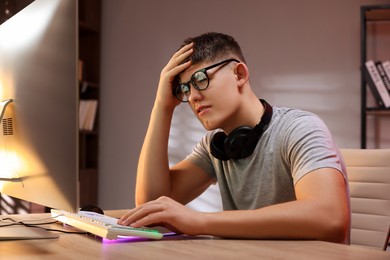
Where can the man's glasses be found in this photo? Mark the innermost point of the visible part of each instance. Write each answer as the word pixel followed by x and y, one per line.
pixel 199 80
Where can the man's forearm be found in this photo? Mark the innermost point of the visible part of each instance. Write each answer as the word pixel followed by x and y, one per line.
pixel 153 178
pixel 291 220
pixel 321 212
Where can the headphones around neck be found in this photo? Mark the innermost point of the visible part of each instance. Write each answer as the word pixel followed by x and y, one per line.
pixel 242 141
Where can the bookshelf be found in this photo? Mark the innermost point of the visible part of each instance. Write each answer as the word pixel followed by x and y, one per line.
pixel 89 80
pixel 369 15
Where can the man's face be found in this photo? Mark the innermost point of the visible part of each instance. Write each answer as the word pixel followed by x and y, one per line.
pixel 216 105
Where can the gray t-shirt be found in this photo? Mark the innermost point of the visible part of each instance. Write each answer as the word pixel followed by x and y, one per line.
pixel 295 143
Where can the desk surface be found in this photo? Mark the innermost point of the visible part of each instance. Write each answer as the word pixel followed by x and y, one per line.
pixel 74 246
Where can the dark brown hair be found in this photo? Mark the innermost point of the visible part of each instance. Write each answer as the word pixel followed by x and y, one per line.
pixel 211 46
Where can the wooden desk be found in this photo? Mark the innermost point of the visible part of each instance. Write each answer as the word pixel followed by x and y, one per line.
pixel 74 246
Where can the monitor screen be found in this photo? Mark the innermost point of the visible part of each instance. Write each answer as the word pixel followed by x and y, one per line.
pixel 39 128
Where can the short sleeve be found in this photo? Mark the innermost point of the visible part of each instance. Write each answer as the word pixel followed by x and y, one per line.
pixel 310 146
pixel 200 155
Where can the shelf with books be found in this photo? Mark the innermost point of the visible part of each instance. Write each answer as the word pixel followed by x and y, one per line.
pixel 89 93
pixel 88 107
pixel 373 70
pixel 378 81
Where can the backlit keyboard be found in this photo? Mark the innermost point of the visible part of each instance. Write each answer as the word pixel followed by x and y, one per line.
pixel 102 225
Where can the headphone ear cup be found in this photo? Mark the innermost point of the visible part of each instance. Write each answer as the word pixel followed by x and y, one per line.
pixel 217 146
pixel 236 144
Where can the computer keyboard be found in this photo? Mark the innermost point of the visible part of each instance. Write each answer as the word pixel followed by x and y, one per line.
pixel 102 225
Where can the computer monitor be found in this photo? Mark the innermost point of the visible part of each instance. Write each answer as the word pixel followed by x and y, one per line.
pixel 39 129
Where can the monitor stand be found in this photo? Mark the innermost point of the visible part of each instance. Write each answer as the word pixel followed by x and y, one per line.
pixel 23 233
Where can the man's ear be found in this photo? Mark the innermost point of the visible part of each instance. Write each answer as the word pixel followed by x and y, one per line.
pixel 242 74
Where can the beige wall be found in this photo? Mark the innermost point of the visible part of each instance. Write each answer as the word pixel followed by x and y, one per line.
pixel 302 53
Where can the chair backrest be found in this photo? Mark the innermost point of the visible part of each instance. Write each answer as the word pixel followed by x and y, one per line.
pixel 369 182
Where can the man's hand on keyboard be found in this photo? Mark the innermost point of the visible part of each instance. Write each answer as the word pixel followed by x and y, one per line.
pixel 166 212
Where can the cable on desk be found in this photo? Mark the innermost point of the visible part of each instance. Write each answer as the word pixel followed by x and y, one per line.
pixel 36 225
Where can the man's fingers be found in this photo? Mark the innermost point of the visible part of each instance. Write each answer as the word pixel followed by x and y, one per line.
pixel 139 213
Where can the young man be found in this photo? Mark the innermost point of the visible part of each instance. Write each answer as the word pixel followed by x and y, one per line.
pixel 280 173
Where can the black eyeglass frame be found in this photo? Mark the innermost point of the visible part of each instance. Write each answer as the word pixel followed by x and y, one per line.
pixel 204 70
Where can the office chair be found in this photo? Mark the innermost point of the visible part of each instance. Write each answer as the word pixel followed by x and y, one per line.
pixel 369 182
